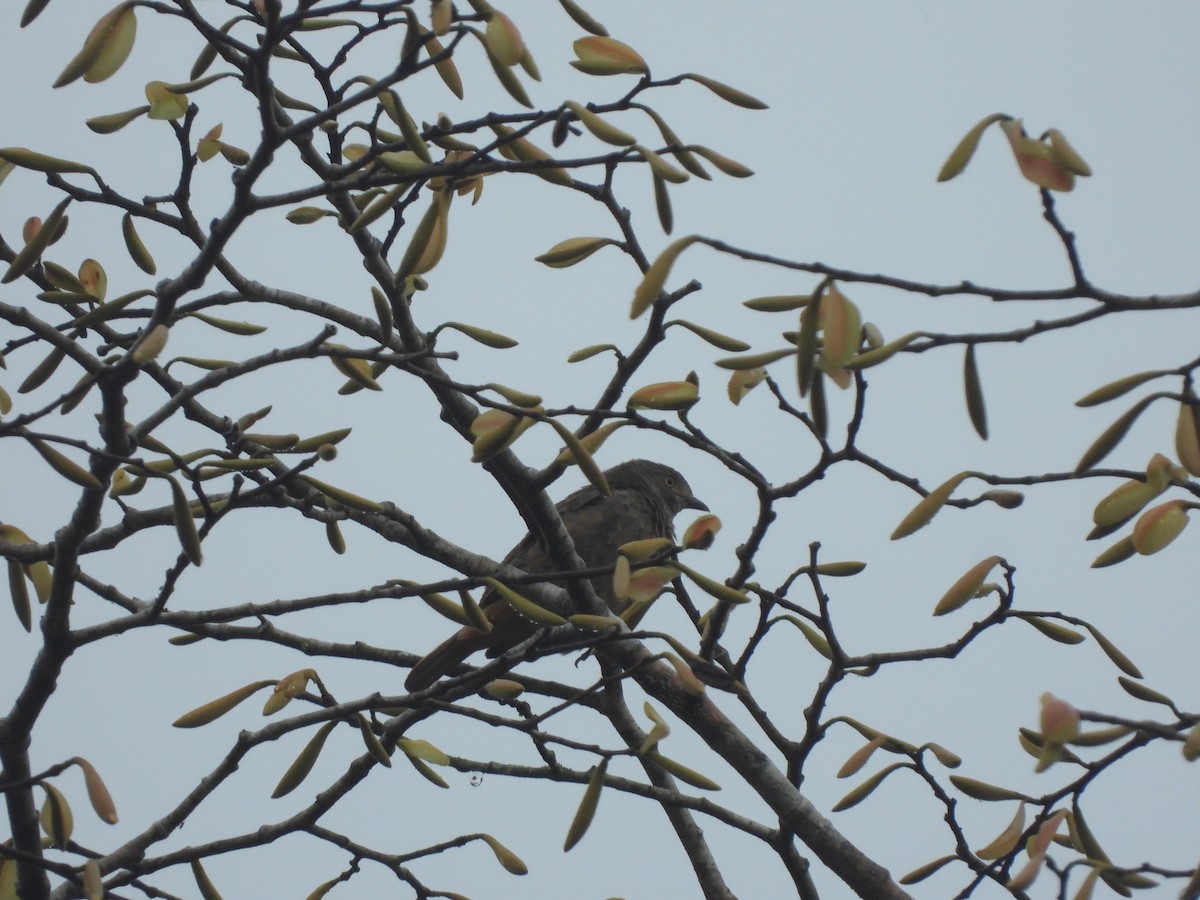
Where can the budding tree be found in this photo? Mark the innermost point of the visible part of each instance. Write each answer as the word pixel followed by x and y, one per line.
pixel 274 460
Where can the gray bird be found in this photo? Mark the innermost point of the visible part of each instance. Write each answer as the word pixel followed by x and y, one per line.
pixel 645 498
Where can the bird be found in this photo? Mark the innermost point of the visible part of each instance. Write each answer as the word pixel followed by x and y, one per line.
pixel 645 496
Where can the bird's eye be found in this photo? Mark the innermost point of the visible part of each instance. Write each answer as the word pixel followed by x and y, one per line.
pixel 670 482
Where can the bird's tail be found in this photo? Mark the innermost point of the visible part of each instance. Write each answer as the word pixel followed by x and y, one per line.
pixel 444 657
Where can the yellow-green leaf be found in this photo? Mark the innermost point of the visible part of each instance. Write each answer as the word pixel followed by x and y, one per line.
pixel 483 336
pixel 1119 659
pixel 730 167
pixel 1006 841
pixel 1117 388
pixel 1187 438
pixel 571 251
pixel 417 748
pixel 582 18
pixel 974 393
pixel 98 795
pixel 860 793
pixel 713 588
pixel 683 773
pixel 1053 630
pixel 587 806
pixel 1159 526
pixel 656 276
pixel 509 860
pixel 56 818
pixel 716 338
pixel 966 587
pixel 961 154
pixel 112 122
pixel 920 873
pixel 66 467
pixel 600 128
pixel 344 497
pixel 20 595
pixel 208 890
pixel 876 355
pixel 666 395
pixel 924 511
pixel 598 55
pixel 185 526
pixel 981 790
pixel 242 328
pixel 525 606
pixel 727 93
pixel 214 709
pixel 41 162
pixel 1118 552
pixel 39 241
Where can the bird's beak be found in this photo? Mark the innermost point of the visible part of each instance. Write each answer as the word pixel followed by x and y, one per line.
pixel 696 503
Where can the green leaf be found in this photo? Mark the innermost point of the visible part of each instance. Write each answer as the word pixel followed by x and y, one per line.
pixel 587 807
pixel 961 154
pixel 974 393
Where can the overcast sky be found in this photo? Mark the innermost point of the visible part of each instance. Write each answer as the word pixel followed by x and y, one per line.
pixel 866 100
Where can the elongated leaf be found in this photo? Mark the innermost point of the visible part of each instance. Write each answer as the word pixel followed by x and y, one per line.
pixel 214 709
pixel 242 328
pixel 599 127
pixel 1120 660
pixel 587 807
pixel 1117 388
pixel 41 239
pixel 582 458
pixel 582 18
pixel 185 526
pixel 417 748
pixel 981 790
pixel 923 512
pixel 66 467
pixel 716 338
pixel 42 162
pixel 974 393
pixel 208 890
pixel 1118 552
pixel 344 497
pixel 656 276
pixel 40 373
pixel 1053 630
pixel 665 395
pixel 755 360
pixel 962 153
pixel 730 167
pixel 57 820
pixel 966 587
pixel 662 203
pixel 727 93
pixel 483 336
pixel 97 791
pixel 525 606
pixel 19 592
pixel 920 873
pixel 371 741
pixel 1187 438
pixel 606 56
pixel 683 773
pixel 713 588
pixel 876 355
pixel 571 251
pixel 509 860
pixel 1159 526
pixel 864 790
